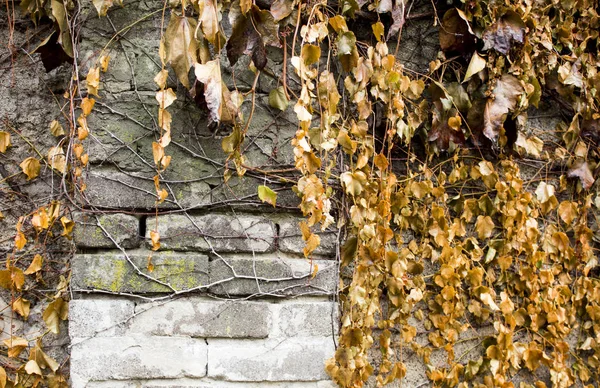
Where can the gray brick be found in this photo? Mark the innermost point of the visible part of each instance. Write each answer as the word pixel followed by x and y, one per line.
pixel 98 317
pixel 107 187
pixel 226 233
pixel 278 276
pixel 297 318
pixel 290 359
pixel 197 317
pixel 290 238
pixel 136 357
pixel 111 271
pixel 122 228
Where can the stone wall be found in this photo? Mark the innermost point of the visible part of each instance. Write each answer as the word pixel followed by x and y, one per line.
pixel 228 300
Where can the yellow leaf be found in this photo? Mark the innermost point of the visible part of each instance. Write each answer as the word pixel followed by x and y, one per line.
pixel 354 182
pixel 484 227
pixel 36 265
pixel 57 160
pixel 161 78
pixel 245 6
pixel 476 64
pixel 87 104
pixel 93 81
pixel 209 21
pixel 21 306
pixel 4 141
pixel 32 368
pixel 20 240
pixel 267 195
pixel 104 63
pixel 378 30
pixel 2 377
pixel 165 98
pixel 488 300
pixel 40 220
pixel 31 167
pixel 42 359
pixel 158 152
pixel 310 54
pixel 55 312
pixel 15 346
pixel 155 237
pixel 102 6
pixel 567 211
pixel 67 227
pixel 82 133
pixel 56 129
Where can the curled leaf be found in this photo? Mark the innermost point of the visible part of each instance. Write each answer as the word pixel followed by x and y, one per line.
pixel 476 64
pixel 582 171
pixel 30 167
pixel 502 35
pixel 267 195
pixel 181 46
pixel 56 311
pixel 505 98
pixel 4 141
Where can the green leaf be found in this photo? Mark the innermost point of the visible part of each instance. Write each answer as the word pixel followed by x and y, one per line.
pixel 267 195
pixel 277 99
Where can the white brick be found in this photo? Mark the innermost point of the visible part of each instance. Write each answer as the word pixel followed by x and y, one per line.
pixel 136 357
pixel 296 318
pixel 288 359
pixel 98 317
pixel 206 383
pixel 199 317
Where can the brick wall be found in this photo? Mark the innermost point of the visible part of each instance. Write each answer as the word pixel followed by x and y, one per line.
pixel 229 301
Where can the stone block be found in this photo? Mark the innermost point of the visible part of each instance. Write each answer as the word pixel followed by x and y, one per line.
pixel 305 318
pixel 206 383
pixel 270 275
pixel 107 187
pixel 198 317
pixel 111 271
pixel 122 228
pixel 290 359
pixel 224 233
pixel 290 238
pixel 136 357
pixel 99 317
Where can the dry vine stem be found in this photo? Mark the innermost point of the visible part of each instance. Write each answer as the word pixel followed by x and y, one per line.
pixel 445 227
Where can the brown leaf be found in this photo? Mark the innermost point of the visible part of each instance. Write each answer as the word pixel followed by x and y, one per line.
pixel 455 32
pixel 397 18
pixel 502 35
pixel 280 9
pixel 181 46
pixel 59 12
pixel 209 21
pixel 505 97
pixel 4 141
pixel 210 75
pixel 582 171
pixel 31 167
pixel 442 133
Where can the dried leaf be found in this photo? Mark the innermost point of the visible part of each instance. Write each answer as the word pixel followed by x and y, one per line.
pixel 87 104
pixel 31 167
pixel 506 95
pixel 455 32
pixel 35 266
pixel 181 46
pixel 56 129
pixel 397 18
pixel 210 75
pixel 104 60
pixel 56 311
pixel 57 160
pixel 102 6
pixel 476 64
pixel 67 227
pixel 165 98
pixel 155 238
pixel 582 171
pixel 59 12
pixel 484 227
pixel 4 141
pixel 346 43
pixel 33 368
pixel 310 54
pixel 280 9
pixel 12 279
pixel 532 145
pixel 488 300
pixel 209 20
pixel 15 346
pixel 42 359
pixel 277 99
pixel 93 80
pixel 354 182
pixel 502 35
pixel 267 195
pixel 21 306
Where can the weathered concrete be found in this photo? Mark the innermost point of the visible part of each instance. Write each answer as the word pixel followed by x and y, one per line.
pixel 268 274
pixel 288 359
pixel 199 317
pixel 205 383
pixel 216 232
pixel 99 317
pixel 112 271
pixel 136 357
pixel 121 228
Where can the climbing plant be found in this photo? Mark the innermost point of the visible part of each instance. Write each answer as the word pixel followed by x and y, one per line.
pixel 444 231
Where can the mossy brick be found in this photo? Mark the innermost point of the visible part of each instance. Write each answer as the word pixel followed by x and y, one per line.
pixel 268 275
pixel 111 271
pixel 122 228
pixel 218 232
